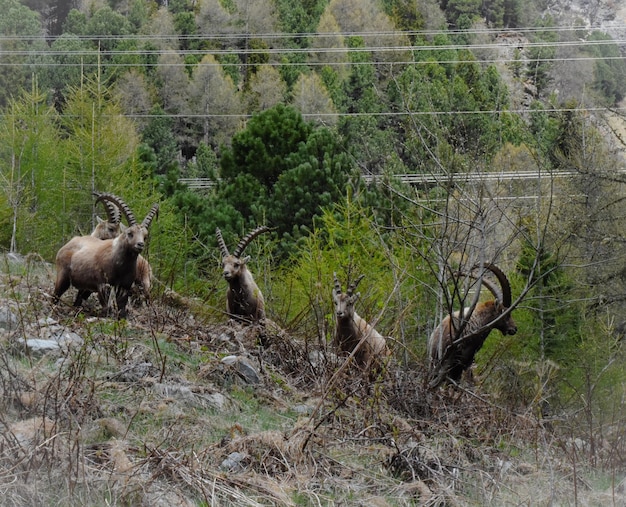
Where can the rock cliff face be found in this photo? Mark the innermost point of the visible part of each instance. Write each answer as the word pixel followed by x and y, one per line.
pixel 607 16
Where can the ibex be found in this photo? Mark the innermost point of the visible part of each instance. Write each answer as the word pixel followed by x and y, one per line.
pixel 351 329
pixel 456 340
pixel 244 300
pixel 111 228
pixel 93 265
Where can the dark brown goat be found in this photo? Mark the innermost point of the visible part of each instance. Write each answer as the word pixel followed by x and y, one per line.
pixel 244 300
pixel 456 340
pixel 93 265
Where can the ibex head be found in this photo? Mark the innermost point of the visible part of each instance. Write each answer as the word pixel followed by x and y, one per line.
pixel 344 302
pixel 135 234
pixel 110 228
pixel 233 264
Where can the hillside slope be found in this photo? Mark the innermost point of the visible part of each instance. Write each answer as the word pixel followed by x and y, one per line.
pixel 171 409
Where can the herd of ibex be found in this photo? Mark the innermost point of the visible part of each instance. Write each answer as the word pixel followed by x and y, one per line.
pixel 109 262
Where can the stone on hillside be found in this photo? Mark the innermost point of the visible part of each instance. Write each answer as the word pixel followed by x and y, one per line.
pixel 37 346
pixel 216 401
pixel 243 368
pixel 232 463
pixel 174 391
pixel 8 320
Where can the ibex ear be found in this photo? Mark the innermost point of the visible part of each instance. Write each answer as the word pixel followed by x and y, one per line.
pixel 245 259
pixel 99 220
pixel 123 227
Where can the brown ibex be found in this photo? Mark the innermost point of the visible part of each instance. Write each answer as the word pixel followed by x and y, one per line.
pixel 111 228
pixel 352 330
pixel 244 300
pixel 456 340
pixel 94 265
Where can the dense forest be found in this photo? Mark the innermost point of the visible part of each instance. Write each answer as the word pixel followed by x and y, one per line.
pixel 309 117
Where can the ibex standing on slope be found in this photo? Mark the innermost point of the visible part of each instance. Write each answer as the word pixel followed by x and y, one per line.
pixel 95 265
pixel 456 340
pixel 351 329
pixel 244 300
pixel 111 228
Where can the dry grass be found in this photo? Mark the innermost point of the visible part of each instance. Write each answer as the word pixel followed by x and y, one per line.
pixel 146 413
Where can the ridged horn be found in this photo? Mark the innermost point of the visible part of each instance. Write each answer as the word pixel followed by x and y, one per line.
pixel 121 205
pixel 337 287
pixel 245 241
pixel 506 297
pixel 113 212
pixel 221 243
pixel 154 212
pixel 353 285
pixel 502 294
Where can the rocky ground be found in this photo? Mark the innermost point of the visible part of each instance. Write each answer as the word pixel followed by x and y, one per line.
pixel 178 407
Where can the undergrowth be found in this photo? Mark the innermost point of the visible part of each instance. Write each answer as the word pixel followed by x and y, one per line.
pixel 148 412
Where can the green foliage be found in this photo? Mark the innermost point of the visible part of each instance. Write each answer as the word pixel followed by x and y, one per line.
pixel 69 64
pixel 262 149
pixel 159 137
pixel 31 162
pixel 540 56
pixel 462 86
pixel 406 14
pixel 18 24
pixel 552 328
pixel 461 12
pixel 610 68
pixel 319 176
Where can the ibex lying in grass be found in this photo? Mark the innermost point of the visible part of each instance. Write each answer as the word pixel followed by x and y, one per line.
pixel 94 265
pixel 456 340
pixel 111 228
pixel 351 329
pixel 244 300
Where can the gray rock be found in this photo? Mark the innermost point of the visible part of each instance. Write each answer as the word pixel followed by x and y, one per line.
pixel 38 346
pixel 174 391
pixel 8 320
pixel 68 339
pixel 232 463
pixel 216 401
pixel 243 368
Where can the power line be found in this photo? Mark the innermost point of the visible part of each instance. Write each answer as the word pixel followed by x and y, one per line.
pixel 314 35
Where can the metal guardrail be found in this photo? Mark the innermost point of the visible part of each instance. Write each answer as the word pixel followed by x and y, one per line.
pixel 426 179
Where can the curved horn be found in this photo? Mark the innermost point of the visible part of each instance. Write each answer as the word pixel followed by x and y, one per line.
pixel 154 212
pixel 504 283
pixel 221 243
pixel 121 205
pixel 502 293
pixel 113 212
pixel 245 241
pixel 353 285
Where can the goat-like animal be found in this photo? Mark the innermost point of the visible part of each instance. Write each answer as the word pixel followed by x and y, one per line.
pixel 244 300
pixel 93 265
pixel 111 228
pixel 351 329
pixel 456 340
